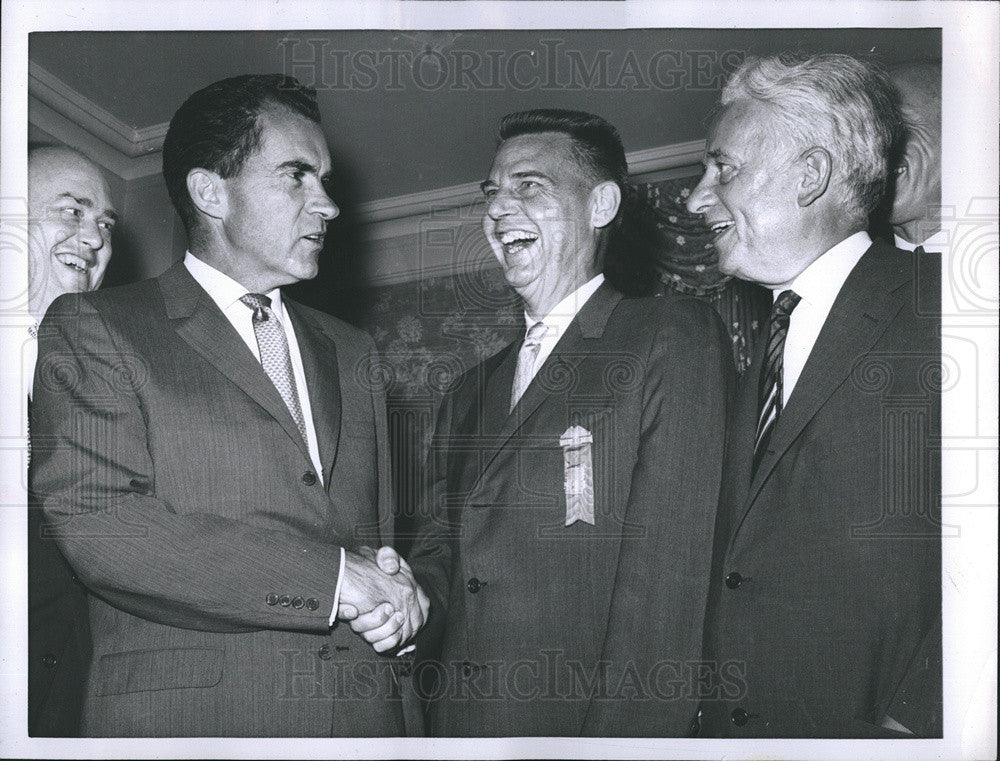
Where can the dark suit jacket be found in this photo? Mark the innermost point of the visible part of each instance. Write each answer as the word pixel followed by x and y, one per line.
pixel 58 636
pixel 538 628
pixel 826 578
pixel 183 496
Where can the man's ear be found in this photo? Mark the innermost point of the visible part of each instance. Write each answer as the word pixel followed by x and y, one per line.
pixel 604 202
pixel 208 192
pixel 817 167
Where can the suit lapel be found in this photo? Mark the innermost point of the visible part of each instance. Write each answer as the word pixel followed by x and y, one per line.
pixel 861 313
pixel 319 360
pixel 495 403
pixel 565 356
pixel 200 323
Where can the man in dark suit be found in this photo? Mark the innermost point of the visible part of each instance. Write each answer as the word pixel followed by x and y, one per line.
pixel 210 460
pixel 575 475
pixel 70 219
pixel 826 579
pixel 916 186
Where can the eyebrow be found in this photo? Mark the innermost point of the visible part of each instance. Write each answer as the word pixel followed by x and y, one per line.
pixel 518 176
pixel 304 166
pixel 717 153
pixel 86 203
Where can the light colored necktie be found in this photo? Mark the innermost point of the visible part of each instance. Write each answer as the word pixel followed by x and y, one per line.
pixel 526 361
pixel 274 356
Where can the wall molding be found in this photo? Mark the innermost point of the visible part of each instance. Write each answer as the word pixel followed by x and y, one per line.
pixel 63 99
pixel 395 227
pixel 424 203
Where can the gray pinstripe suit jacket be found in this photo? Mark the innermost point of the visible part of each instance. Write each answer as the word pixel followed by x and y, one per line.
pixel 183 496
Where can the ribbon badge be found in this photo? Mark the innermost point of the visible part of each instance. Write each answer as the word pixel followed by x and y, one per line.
pixel 578 474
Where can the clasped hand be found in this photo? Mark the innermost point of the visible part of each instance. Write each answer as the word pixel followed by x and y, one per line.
pixel 381 599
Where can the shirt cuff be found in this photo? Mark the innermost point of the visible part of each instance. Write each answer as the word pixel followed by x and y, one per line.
pixel 340 583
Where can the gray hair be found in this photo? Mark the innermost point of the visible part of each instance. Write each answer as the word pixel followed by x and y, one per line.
pixel 833 101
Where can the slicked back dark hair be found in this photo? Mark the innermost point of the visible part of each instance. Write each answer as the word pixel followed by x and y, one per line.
pixel 217 128
pixel 628 246
pixel 597 145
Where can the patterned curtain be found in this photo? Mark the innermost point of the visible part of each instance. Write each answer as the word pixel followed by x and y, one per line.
pixel 688 263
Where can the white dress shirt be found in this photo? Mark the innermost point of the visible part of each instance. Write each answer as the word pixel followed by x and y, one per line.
pixel 559 318
pixel 818 286
pixel 226 293
pixel 937 243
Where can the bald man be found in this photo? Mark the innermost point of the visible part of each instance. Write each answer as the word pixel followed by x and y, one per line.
pixel 70 219
pixel 916 204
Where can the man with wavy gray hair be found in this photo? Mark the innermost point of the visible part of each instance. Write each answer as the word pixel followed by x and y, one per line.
pixel 826 583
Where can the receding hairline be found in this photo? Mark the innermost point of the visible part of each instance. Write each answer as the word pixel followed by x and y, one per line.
pixel 773 139
pixel 919 86
pixel 47 158
pixel 47 153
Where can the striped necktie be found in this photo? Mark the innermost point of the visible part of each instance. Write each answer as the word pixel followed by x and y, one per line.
pixel 769 388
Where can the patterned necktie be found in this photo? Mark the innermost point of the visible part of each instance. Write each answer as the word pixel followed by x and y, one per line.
pixel 769 388
pixel 526 362
pixel 274 356
pixel 33 332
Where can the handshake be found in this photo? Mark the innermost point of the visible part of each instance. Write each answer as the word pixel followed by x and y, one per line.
pixel 381 599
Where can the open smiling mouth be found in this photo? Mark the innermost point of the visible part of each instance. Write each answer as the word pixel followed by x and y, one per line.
pixel 515 241
pixel 73 262
pixel 718 228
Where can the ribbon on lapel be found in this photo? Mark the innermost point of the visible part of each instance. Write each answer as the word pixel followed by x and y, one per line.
pixel 569 351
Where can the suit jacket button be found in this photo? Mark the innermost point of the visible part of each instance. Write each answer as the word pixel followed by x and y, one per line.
pixel 312 603
pixel 694 728
pixel 739 717
pixel 308 478
pixel 284 601
pixel 474 585
pixel 271 599
pixel 324 653
pixel 468 669
pixel 50 660
pixel 404 665
pixel 298 602
pixel 733 581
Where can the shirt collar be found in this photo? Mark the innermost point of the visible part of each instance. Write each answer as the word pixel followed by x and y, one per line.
pixel 223 289
pixel 820 282
pixel 563 313
pixel 937 242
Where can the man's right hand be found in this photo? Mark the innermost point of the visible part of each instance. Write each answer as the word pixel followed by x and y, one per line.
pixel 381 598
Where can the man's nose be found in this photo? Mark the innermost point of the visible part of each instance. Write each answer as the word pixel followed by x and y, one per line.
pixel 323 205
pixel 501 205
pixel 89 234
pixel 702 197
